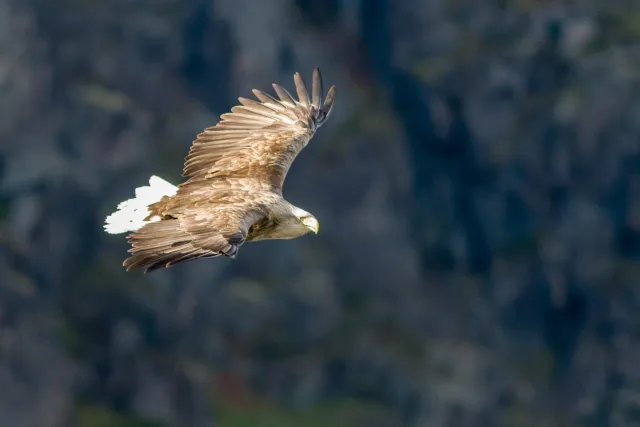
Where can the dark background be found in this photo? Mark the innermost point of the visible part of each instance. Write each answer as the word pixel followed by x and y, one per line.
pixel 478 189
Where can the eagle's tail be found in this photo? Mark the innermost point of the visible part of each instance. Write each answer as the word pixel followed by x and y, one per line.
pixel 131 213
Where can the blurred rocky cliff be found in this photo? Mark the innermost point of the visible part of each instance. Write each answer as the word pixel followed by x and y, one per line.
pixel 478 186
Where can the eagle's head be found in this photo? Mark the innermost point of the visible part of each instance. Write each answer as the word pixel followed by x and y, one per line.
pixel 288 222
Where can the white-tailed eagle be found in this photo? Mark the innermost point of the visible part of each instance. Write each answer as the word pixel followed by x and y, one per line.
pixel 233 193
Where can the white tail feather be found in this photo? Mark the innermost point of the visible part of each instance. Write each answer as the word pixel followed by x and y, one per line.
pixel 131 213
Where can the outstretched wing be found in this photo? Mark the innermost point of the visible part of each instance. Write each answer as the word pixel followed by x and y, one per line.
pixel 258 139
pixel 199 227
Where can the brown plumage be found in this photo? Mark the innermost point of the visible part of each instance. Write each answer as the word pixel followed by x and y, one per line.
pixel 233 195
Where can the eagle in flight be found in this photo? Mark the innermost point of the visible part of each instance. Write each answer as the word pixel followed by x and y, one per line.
pixel 233 193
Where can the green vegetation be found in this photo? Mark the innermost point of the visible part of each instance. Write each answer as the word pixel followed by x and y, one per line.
pixel 98 416
pixel 345 413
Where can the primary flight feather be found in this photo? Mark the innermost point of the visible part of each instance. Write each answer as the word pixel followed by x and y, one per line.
pixel 233 193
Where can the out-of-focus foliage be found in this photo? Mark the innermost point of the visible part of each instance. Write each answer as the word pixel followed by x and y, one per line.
pixel 88 416
pixel 478 186
pixel 344 413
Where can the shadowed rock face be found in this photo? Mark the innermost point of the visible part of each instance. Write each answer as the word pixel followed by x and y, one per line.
pixel 476 185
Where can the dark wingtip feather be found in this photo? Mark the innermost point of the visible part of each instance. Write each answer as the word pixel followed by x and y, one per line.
pixel 317 89
pixel 328 102
pixel 301 89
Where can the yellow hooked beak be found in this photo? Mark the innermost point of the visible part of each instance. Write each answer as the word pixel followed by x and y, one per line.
pixel 312 224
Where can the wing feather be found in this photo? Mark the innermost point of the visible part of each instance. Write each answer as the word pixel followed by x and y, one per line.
pixel 269 100
pixel 317 89
pixel 284 95
pixel 301 89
